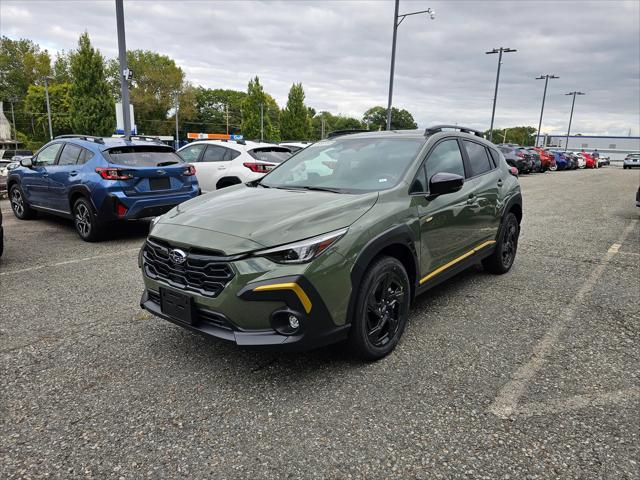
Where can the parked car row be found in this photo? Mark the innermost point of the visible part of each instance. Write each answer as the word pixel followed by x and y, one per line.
pixel 537 159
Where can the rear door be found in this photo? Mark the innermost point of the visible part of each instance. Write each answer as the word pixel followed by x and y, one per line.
pixel 213 165
pixel 488 181
pixel 35 180
pixel 63 176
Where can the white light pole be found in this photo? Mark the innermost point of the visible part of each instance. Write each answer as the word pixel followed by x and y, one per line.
pixel 46 94
pixel 397 20
pixel 544 95
pixel 500 51
pixel 566 143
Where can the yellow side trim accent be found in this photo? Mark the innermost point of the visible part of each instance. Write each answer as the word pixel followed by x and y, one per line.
pixel 456 260
pixel 297 289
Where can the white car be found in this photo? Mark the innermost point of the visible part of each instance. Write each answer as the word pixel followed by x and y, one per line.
pixel 581 161
pixel 222 163
pixel 296 146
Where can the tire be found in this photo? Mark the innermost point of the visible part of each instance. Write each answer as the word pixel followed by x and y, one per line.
pixel 382 309
pixel 19 205
pixel 86 221
pixel 553 168
pixel 501 260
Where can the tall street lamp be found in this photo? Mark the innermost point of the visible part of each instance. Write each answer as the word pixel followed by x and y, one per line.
pixel 397 20
pixel 499 51
pixel 125 73
pixel 46 94
pixel 13 100
pixel 544 95
pixel 573 103
pixel 177 142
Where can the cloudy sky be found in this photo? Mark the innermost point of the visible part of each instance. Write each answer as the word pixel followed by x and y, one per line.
pixel 340 51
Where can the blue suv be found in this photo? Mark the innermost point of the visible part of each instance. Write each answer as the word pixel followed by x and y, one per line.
pixel 96 181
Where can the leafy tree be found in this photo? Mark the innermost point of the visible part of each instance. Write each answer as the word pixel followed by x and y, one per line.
pixel 211 110
pixel 294 119
pixel 331 123
pixel 60 100
pixel 22 64
pixel 62 68
pixel 251 105
pixel 376 119
pixel 521 135
pixel 91 107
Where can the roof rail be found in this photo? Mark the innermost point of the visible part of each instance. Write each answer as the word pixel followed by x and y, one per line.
pixel 439 128
pixel 89 138
pixel 145 138
pixel 339 133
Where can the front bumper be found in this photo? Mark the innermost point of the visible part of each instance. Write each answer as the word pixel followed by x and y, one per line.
pixel 316 327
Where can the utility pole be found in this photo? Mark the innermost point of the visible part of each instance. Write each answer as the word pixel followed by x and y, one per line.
pixel 544 95
pixel 566 143
pixel 262 122
pixel 177 143
pixel 13 122
pixel 46 94
pixel 321 128
pixel 504 137
pixel 125 74
pixel 499 51
pixel 396 24
pixel 227 109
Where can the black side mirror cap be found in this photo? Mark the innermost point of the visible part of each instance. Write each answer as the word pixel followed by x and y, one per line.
pixel 444 182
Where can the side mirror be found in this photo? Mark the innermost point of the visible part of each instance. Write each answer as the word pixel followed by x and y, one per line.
pixel 443 183
pixel 26 162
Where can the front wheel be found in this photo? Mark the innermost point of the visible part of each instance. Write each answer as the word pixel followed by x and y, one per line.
pixel 19 205
pixel 501 260
pixel 382 309
pixel 86 222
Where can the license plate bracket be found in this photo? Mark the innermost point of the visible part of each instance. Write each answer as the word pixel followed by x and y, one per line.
pixel 176 305
pixel 161 183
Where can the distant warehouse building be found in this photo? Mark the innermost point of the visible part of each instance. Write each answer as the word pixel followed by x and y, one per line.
pixel 615 147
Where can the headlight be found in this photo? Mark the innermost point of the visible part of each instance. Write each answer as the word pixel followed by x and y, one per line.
pixel 153 222
pixel 304 250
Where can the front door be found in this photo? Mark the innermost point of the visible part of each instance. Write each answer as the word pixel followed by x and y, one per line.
pixel 445 221
pixel 35 180
pixel 63 176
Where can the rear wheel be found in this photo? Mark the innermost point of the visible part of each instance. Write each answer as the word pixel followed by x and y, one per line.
pixel 19 204
pixel 86 221
pixel 382 309
pixel 501 260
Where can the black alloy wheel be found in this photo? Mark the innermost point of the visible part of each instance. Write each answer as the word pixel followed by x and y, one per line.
pixel 504 254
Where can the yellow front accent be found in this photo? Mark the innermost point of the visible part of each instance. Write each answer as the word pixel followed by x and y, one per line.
pixel 297 289
pixel 456 260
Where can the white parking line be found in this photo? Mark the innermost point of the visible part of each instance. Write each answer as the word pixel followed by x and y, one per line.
pixel 505 403
pixel 67 262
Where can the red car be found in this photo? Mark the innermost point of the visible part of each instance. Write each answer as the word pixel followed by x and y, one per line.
pixel 547 160
pixel 589 161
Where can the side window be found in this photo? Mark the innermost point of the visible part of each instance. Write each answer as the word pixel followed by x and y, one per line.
pixel 446 157
pixel 214 153
pixel 48 155
pixel 233 154
pixel 420 183
pixel 85 156
pixel 70 154
pixel 495 156
pixel 192 153
pixel 477 158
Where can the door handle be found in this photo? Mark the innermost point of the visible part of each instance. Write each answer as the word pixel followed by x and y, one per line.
pixel 73 173
pixel 500 182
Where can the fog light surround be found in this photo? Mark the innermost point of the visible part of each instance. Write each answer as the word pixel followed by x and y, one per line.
pixel 287 322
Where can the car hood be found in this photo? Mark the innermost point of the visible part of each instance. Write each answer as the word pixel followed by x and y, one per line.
pixel 265 217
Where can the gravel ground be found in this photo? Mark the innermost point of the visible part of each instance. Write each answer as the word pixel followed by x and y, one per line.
pixel 533 374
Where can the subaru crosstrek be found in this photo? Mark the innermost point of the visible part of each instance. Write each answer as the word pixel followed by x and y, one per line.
pixel 334 243
pixel 98 180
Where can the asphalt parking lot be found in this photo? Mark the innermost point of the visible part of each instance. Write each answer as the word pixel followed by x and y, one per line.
pixel 533 374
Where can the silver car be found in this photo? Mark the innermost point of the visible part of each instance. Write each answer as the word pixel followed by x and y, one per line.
pixel 631 160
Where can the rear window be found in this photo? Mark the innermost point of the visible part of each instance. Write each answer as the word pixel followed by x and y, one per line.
pixel 270 154
pixel 142 156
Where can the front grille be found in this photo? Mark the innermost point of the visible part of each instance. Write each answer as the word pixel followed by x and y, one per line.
pixel 203 272
pixel 202 315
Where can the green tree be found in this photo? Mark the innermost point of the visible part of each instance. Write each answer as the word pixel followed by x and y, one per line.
pixel 62 68
pixel 255 100
pixel 331 123
pixel 35 105
pixel 401 119
pixel 92 107
pixel 295 123
pixel 22 63
pixel 521 135
pixel 212 107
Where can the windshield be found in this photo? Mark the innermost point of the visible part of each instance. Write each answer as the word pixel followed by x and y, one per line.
pixel 271 154
pixel 143 156
pixel 355 164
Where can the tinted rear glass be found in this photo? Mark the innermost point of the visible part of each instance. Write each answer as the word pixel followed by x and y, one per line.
pixel 270 154
pixel 142 156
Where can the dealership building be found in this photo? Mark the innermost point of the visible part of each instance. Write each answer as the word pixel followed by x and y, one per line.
pixel 615 147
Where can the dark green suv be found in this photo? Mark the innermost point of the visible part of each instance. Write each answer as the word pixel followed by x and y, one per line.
pixel 335 242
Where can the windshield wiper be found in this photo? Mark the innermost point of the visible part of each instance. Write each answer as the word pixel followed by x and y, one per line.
pixel 318 189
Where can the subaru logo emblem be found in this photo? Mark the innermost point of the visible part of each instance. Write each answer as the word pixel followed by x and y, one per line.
pixel 160 172
pixel 177 256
